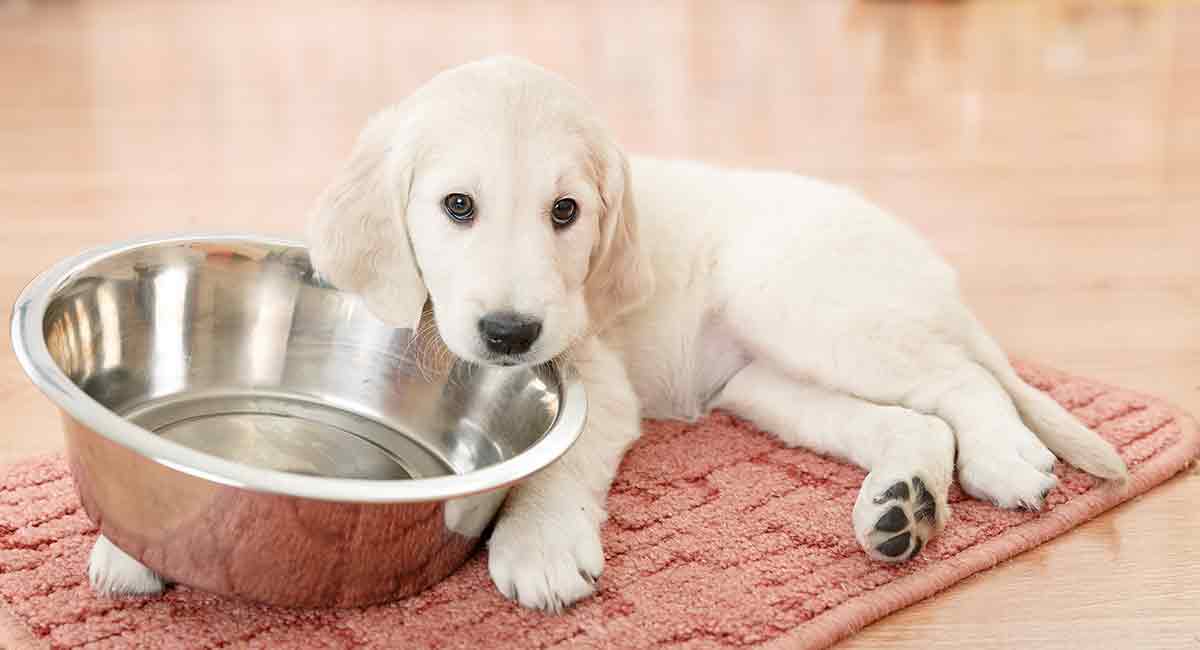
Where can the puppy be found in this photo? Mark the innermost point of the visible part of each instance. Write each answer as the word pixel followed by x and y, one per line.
pixel 494 193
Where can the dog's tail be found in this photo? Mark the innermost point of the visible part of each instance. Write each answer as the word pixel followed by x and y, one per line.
pixel 1062 434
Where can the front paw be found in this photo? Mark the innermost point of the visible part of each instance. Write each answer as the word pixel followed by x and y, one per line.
pixel 113 573
pixel 546 558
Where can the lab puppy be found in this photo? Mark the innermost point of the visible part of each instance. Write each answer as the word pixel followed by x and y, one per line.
pixel 674 288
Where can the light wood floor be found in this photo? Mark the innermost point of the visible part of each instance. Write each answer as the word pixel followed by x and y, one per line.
pixel 1050 149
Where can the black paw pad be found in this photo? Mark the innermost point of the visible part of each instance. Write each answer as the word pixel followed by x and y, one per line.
pixel 924 496
pixel 892 521
pixel 899 490
pixel 909 518
pixel 925 506
pixel 895 546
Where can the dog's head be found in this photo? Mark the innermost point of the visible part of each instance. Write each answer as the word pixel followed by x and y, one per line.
pixel 494 192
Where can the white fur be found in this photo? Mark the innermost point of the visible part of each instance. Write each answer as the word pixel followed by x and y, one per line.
pixel 682 287
pixel 114 573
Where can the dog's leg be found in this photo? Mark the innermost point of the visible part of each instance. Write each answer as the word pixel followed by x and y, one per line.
pixel 545 551
pixel 845 297
pixel 907 362
pixel 910 456
pixel 113 572
pixel 999 458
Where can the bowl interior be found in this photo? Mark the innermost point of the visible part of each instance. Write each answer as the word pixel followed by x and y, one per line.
pixel 239 350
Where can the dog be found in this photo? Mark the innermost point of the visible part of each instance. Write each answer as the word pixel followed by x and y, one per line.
pixel 494 193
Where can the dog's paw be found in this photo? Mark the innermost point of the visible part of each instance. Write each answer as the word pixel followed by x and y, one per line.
pixel 546 561
pixel 1012 480
pixel 113 572
pixel 896 515
pixel 1035 453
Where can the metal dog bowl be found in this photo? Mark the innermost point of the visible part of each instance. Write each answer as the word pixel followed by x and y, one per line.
pixel 241 427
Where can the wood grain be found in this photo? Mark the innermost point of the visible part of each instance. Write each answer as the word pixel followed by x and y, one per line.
pixel 1051 150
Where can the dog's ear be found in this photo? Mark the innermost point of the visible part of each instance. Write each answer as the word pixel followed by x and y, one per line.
pixel 358 234
pixel 619 276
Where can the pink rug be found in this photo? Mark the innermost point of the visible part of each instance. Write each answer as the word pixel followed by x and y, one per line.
pixel 725 540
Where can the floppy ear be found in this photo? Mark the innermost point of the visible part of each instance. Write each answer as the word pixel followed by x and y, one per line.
pixel 358 234
pixel 620 277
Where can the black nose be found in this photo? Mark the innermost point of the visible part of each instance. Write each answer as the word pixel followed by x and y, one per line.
pixel 505 332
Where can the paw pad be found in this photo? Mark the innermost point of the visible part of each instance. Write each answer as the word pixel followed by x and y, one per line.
pixel 908 517
pixel 895 546
pixel 892 521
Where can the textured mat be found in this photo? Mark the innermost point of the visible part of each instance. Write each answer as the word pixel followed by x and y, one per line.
pixel 718 537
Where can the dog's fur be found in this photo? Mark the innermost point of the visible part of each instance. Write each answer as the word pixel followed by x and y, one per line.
pixel 680 288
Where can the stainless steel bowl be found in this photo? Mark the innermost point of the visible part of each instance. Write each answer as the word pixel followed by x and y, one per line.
pixel 241 427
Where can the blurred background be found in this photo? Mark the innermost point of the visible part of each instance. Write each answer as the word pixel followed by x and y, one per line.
pixel 1051 150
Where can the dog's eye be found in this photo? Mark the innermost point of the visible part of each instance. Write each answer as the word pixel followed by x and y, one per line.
pixel 459 207
pixel 564 212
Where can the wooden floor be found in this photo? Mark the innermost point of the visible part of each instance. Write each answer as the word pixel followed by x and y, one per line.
pixel 1051 150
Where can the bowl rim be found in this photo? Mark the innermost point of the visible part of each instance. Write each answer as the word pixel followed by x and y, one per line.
pixel 28 341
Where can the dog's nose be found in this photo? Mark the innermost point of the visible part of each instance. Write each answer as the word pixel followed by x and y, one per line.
pixel 508 332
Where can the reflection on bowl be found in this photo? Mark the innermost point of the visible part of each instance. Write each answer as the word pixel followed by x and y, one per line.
pixel 241 427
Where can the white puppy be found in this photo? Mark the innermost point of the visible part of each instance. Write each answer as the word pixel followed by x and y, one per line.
pixel 494 192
